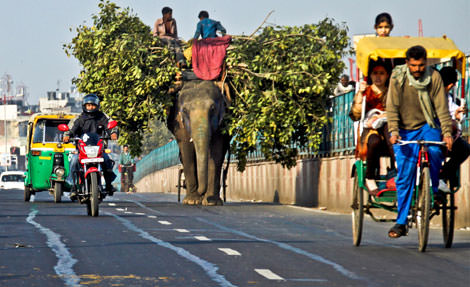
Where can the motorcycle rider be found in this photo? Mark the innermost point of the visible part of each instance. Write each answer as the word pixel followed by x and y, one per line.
pixel 91 120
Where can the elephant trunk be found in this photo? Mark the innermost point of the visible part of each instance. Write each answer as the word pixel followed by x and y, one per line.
pixel 201 135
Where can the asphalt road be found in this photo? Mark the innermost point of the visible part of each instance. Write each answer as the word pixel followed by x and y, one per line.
pixel 149 239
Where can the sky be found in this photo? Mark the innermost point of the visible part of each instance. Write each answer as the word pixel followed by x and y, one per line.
pixel 33 32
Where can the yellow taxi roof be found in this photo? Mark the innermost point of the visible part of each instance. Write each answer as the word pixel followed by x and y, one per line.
pixel 371 48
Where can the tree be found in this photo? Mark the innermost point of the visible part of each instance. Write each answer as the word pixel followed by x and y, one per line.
pixel 280 77
pixel 120 65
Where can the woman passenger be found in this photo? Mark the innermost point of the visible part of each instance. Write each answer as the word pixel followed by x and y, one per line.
pixel 374 139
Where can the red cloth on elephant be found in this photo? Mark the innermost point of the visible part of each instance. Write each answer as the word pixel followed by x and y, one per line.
pixel 208 56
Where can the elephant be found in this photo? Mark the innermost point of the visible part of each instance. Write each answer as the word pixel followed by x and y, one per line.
pixel 196 120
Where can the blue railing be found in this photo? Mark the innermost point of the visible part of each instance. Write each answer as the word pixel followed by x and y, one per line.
pixel 337 136
pixel 160 158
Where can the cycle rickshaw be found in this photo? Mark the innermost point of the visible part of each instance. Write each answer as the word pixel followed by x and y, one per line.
pixel 423 207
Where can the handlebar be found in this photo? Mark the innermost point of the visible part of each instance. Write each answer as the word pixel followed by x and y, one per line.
pixel 420 142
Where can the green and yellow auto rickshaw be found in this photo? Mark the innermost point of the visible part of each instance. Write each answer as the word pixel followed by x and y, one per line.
pixel 47 157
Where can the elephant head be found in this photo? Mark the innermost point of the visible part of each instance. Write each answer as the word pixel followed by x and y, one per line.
pixel 201 108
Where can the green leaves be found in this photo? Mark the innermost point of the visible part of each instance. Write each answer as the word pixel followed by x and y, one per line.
pixel 119 65
pixel 280 80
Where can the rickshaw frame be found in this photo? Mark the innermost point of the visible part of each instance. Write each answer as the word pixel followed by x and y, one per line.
pixel 375 48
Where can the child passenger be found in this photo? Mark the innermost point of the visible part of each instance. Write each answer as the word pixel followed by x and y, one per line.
pixel 383 25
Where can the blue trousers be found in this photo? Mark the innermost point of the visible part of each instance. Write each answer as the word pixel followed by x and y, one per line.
pixel 407 159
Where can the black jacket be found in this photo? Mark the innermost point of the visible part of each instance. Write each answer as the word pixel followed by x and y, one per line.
pixel 96 122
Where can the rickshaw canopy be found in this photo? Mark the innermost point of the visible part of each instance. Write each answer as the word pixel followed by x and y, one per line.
pixel 372 48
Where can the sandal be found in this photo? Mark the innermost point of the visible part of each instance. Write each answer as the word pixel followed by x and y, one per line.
pixel 397 230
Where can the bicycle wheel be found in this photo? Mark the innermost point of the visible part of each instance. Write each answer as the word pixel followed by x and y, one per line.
pixel 448 217
pixel 423 208
pixel 358 211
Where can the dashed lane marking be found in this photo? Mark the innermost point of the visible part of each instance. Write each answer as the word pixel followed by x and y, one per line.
pixel 140 213
pixel 210 268
pixel 128 212
pixel 112 204
pixel 120 209
pixel 181 230
pixel 202 238
pixel 164 222
pixel 230 251
pixel 269 274
pixel 151 216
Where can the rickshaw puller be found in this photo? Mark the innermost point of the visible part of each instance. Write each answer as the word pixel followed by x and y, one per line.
pixel 416 105
pixel 91 120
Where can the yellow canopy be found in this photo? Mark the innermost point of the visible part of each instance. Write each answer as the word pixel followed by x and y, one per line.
pixel 371 48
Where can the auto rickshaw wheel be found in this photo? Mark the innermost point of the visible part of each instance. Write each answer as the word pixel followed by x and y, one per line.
pixel 58 187
pixel 27 193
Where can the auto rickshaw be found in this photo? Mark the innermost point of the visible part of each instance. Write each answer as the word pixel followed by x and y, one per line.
pixel 423 208
pixel 47 157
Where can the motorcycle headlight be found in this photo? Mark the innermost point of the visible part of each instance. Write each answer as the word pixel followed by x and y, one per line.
pixel 59 172
pixel 92 151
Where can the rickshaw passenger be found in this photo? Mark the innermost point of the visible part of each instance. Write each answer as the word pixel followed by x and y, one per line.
pixel 375 134
pixel 95 121
pixel 417 109
pixel 383 25
pixel 460 148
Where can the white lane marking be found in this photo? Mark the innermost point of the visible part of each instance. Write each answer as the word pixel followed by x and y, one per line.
pixel 209 268
pixel 269 274
pixel 64 265
pixel 202 238
pixel 128 212
pixel 151 216
pixel 140 213
pixel 164 222
pixel 112 204
pixel 120 209
pixel 230 251
pixel 145 207
pixel 181 230
pixel 286 246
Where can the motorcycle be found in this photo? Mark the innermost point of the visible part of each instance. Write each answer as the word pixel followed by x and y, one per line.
pixel 87 180
pixel 127 176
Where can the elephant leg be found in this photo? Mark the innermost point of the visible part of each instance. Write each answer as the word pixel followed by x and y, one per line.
pixel 188 158
pixel 216 161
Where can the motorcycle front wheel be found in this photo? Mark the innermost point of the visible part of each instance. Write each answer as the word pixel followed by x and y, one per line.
pixel 93 202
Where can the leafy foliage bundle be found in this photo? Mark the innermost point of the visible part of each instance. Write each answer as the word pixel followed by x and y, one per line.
pixel 280 78
pixel 131 78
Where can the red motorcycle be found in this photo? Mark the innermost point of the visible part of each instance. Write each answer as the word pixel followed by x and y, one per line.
pixel 87 180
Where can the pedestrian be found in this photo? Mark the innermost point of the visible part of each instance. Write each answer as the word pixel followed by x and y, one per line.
pixel 344 86
pixel 417 109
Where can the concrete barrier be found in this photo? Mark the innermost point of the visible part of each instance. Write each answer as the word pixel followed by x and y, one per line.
pixel 317 182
